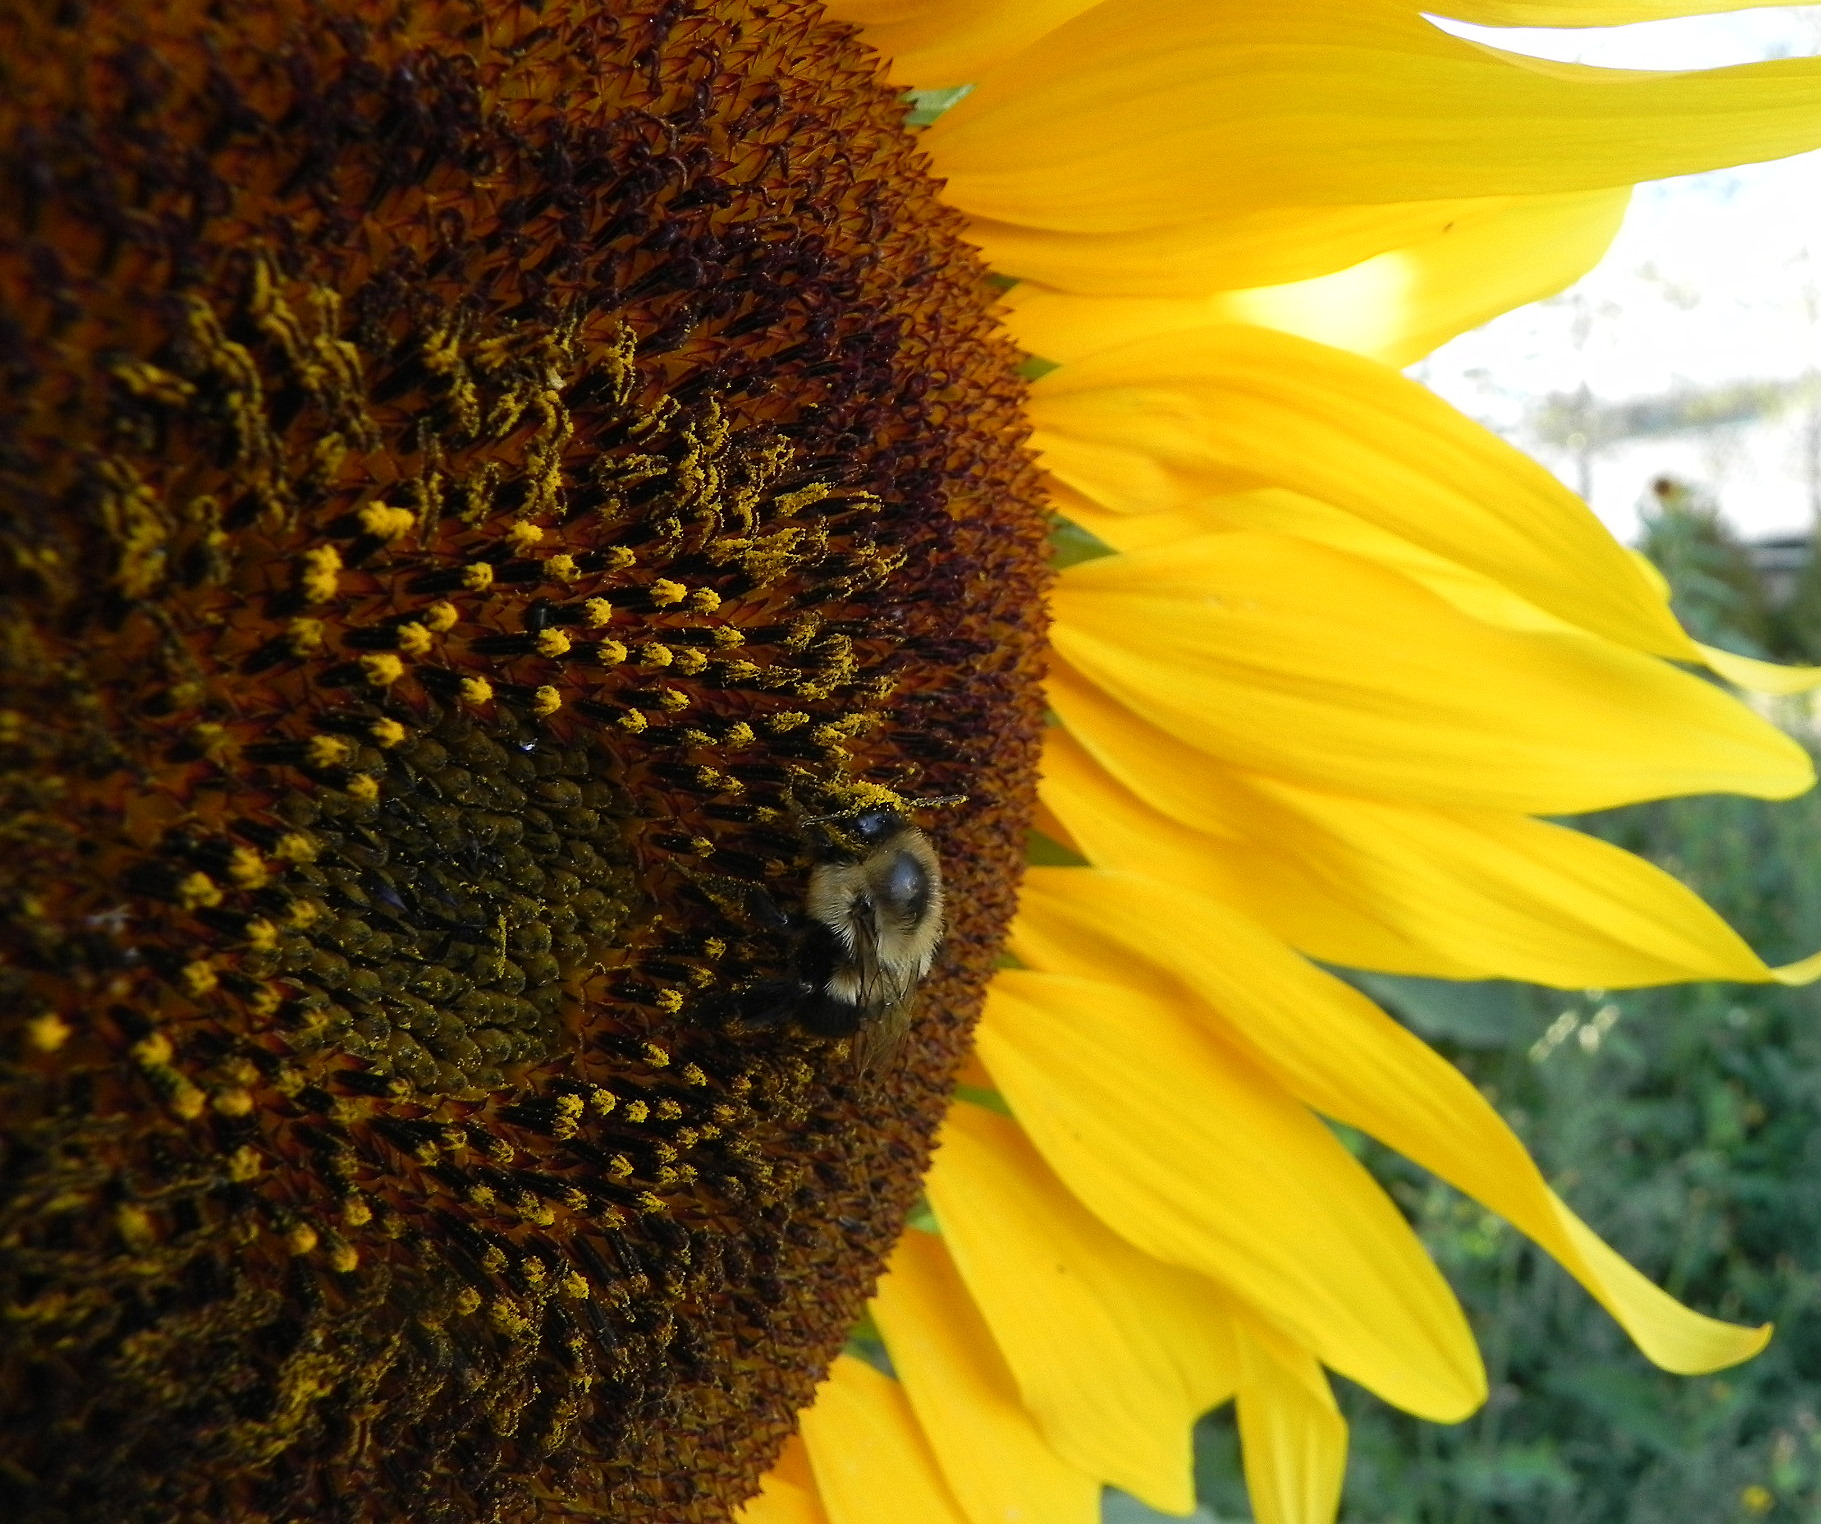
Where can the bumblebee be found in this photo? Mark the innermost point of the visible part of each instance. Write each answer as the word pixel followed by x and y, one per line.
pixel 871 924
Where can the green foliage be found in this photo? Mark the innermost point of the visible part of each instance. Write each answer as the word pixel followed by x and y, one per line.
pixel 1718 597
pixel 1682 1123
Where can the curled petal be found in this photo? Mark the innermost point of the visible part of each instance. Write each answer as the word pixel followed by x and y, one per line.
pixel 1394 307
pixel 1170 420
pixel 1265 247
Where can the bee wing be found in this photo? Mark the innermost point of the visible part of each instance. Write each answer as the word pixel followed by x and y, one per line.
pixel 877 1042
pixel 877 988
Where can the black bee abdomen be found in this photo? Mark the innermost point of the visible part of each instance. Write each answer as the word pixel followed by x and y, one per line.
pixel 819 954
pixel 826 1015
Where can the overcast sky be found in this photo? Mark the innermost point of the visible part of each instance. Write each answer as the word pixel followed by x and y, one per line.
pixel 1714 278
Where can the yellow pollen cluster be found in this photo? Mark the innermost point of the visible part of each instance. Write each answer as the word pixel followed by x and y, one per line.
pixel 246 869
pixel 387 523
pixel 198 891
pixel 295 847
pixel 319 574
pixel 305 636
pixel 382 668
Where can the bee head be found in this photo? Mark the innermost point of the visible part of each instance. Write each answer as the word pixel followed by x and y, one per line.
pixel 847 838
pixel 856 833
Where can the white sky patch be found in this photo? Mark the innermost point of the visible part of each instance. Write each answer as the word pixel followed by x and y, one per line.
pixel 1714 281
pixel 1683 42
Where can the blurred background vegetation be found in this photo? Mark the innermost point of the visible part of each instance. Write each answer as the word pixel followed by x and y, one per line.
pixel 1684 1123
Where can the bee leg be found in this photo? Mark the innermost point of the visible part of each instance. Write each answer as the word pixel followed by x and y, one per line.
pixel 766 911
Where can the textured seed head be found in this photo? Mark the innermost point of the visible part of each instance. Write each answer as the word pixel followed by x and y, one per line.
pixel 477 477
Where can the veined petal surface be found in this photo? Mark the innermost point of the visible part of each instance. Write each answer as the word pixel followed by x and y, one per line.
pixel 937 44
pixel 871 1462
pixel 1169 420
pixel 1394 307
pixel 1293 1437
pixel 1151 113
pixel 996 1460
pixel 1450 894
pixel 1199 258
pixel 1115 1353
pixel 1189 1149
pixel 1280 657
pixel 789 1495
pixel 1341 1055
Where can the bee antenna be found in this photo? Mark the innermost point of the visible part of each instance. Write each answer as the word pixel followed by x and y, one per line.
pixel 935 801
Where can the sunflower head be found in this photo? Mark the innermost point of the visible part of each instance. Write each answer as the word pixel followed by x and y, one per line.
pixel 479 483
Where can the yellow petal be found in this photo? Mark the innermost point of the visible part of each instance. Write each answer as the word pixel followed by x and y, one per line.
pixel 1151 113
pixel 1337 1052
pixel 789 1494
pixel 1393 308
pixel 1178 417
pixel 1115 1354
pixel 1267 247
pixel 995 1459
pixel 1278 511
pixel 1249 869
pixel 1193 1153
pixel 942 43
pixel 1761 676
pixel 1574 13
pixel 871 1462
pixel 1451 894
pixel 1279 657
pixel 1293 1439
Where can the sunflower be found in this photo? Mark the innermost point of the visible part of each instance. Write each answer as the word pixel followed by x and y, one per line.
pixel 1322 652
pixel 481 480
